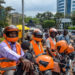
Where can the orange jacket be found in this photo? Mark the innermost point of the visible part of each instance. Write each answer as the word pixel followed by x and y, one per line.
pixel 52 46
pixel 37 49
pixel 6 64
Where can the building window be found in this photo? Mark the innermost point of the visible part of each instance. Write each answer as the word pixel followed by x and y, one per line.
pixel 61 7
pixel 73 5
pixel 61 1
pixel 73 8
pixel 60 4
pixel 73 1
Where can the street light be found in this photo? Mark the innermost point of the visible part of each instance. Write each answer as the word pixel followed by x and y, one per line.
pixel 23 20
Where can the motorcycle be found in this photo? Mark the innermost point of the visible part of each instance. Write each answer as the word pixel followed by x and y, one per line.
pixel 45 64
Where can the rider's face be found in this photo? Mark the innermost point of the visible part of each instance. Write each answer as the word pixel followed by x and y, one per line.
pixel 53 34
pixel 13 34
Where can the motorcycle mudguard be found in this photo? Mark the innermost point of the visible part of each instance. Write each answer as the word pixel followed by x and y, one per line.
pixel 48 72
pixel 56 67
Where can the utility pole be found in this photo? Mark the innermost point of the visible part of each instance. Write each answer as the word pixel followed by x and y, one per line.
pixel 23 21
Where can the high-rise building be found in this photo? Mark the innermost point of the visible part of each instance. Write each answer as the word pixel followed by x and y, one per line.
pixel 72 5
pixel 61 6
pixel 65 6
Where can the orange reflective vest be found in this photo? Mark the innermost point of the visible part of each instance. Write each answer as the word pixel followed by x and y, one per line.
pixel 37 49
pixel 52 46
pixel 6 63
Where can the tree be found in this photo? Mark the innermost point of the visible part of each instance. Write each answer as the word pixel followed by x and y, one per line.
pixel 9 9
pixel 44 16
pixel 73 18
pixel 36 20
pixel 48 23
pixel 2 2
pixel 59 15
pixel 4 14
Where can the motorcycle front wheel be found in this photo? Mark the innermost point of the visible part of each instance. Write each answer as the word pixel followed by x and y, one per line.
pixel 48 72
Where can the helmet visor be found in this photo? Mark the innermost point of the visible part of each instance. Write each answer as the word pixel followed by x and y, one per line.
pixel 12 34
pixel 38 35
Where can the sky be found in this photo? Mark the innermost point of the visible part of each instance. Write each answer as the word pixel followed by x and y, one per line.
pixel 32 7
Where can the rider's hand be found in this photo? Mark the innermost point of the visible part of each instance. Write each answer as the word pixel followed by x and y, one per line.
pixel 27 65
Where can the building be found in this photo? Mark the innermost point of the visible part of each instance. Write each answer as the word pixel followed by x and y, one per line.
pixel 72 5
pixel 61 6
pixel 65 6
pixel 15 18
pixel 65 22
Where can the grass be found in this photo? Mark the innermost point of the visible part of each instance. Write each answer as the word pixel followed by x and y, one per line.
pixel 1 39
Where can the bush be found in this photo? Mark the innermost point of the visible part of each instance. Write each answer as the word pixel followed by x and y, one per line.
pixel 73 28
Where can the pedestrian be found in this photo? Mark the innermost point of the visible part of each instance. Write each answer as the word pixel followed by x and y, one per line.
pixel 45 34
pixel 65 36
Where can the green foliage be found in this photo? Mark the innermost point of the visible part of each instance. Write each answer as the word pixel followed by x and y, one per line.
pixel 3 24
pixel 4 14
pixel 48 23
pixel 36 20
pixel 2 1
pixel 1 39
pixel 66 26
pixel 73 18
pixel 73 28
pixel 59 15
pixel 27 19
pixel 44 16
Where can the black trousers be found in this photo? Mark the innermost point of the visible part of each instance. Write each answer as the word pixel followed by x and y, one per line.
pixel 55 73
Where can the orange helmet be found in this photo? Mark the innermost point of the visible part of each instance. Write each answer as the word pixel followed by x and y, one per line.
pixel 8 30
pixel 61 46
pixel 53 32
pixel 37 35
pixel 70 49
pixel 45 62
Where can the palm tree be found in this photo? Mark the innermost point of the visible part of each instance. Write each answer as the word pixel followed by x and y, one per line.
pixel 7 13
pixel 2 2
pixel 9 9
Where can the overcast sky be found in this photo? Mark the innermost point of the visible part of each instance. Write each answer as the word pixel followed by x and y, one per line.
pixel 32 7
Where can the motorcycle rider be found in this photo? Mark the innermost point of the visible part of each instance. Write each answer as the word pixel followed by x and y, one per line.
pixel 51 42
pixel 70 52
pixel 71 57
pixel 44 61
pixel 61 47
pixel 11 52
pixel 36 42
